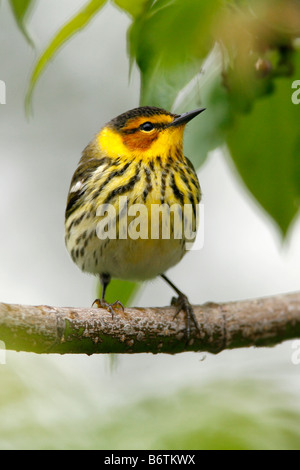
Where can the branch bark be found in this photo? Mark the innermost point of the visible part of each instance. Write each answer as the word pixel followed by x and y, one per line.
pixel 43 329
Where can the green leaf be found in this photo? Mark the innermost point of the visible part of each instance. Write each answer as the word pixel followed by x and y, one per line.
pixel 169 42
pixel 21 9
pixel 78 22
pixel 265 146
pixel 209 131
pixel 133 7
pixel 124 291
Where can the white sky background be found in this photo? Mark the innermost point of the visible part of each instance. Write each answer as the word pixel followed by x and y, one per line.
pixel 84 87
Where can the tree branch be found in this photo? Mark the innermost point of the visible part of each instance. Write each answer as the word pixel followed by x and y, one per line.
pixel 43 329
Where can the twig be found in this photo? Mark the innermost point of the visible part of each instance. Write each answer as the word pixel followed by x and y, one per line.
pixel 43 329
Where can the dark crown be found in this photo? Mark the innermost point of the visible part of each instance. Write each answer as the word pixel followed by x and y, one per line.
pixel 146 111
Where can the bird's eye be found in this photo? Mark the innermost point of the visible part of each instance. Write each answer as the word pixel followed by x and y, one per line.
pixel 147 126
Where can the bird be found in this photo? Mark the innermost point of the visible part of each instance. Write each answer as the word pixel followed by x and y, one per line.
pixel 136 160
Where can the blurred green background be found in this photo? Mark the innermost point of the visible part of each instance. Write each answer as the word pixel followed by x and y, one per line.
pixel 242 399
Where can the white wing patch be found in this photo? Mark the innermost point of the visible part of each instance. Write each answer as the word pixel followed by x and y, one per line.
pixel 76 187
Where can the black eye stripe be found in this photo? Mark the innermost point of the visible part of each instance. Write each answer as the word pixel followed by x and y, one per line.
pixel 155 125
pixel 147 126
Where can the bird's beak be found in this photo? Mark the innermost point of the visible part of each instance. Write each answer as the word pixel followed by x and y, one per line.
pixel 181 119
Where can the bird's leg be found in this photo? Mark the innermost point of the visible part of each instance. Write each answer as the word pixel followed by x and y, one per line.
pixel 182 303
pixel 105 280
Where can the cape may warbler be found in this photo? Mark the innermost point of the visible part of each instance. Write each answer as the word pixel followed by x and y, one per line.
pixel 133 166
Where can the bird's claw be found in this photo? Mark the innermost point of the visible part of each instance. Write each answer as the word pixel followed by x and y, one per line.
pixel 110 307
pixel 183 305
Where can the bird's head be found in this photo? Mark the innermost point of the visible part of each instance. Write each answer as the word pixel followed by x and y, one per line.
pixel 144 132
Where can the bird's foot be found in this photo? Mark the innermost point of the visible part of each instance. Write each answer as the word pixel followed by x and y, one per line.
pixel 183 305
pixel 110 307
